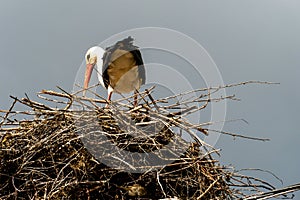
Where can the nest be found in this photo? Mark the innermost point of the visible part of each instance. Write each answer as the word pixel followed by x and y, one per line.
pixel 78 149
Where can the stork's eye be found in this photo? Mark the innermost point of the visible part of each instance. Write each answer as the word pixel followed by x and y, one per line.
pixel 88 57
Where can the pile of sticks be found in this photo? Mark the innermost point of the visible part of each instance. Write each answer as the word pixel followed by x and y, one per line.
pixel 71 147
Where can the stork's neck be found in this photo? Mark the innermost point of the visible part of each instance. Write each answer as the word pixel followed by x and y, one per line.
pixel 99 52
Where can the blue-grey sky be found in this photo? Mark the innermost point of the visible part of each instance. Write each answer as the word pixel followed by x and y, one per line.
pixel 42 45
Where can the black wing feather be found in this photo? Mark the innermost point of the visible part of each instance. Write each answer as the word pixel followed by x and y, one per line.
pixel 139 61
pixel 125 44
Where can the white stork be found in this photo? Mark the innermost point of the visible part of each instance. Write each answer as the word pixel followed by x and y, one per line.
pixel 120 67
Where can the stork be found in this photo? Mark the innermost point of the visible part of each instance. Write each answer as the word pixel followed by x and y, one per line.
pixel 120 68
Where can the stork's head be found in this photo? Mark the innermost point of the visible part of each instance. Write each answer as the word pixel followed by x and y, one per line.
pixel 93 57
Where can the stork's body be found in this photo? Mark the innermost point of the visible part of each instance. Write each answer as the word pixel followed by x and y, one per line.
pixel 120 68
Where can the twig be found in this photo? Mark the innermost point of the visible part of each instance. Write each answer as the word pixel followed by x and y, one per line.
pixel 8 112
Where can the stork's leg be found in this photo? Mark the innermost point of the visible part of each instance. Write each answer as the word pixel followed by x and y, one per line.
pixel 108 99
pixel 135 98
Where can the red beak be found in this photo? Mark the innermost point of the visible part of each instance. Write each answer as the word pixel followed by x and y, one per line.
pixel 87 76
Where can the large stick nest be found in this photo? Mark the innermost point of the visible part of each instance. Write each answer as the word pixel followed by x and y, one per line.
pixel 77 149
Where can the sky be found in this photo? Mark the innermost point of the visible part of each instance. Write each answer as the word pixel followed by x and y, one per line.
pixel 43 43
